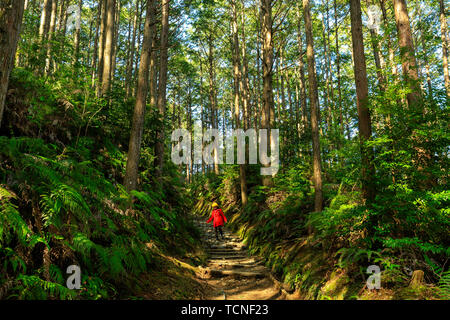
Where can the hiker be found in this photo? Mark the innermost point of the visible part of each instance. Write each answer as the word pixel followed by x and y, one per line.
pixel 219 219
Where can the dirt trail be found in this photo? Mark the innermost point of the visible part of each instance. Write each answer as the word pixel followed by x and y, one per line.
pixel 233 273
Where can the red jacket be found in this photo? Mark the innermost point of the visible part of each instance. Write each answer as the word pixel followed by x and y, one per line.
pixel 218 216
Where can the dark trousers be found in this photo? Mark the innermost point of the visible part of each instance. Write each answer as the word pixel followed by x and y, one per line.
pixel 218 229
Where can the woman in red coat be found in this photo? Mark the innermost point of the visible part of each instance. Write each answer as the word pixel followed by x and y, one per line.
pixel 219 219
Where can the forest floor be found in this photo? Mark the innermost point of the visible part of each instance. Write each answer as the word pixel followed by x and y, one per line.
pixel 232 274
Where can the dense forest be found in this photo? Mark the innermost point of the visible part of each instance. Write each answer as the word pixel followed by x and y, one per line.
pixel 342 166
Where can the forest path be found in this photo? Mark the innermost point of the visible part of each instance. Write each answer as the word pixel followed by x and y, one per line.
pixel 232 273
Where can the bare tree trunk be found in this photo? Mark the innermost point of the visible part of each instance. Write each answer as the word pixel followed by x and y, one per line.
pixel 202 107
pixel 407 51
pixel 11 14
pixel 64 19
pixel 189 166
pixel 43 34
pixel 389 44
pixel 301 73
pixel 91 31
pixel 328 99
pixel 115 40
pixel 330 71
pixel 138 44
pixel 212 95
pixel 108 50
pixel 153 68
pixel 237 80
pixel 77 37
pixel 314 103
pixel 61 11
pixel 427 66
pixel 245 79
pixel 101 45
pixel 96 46
pixel 161 102
pixel 45 19
pixel 51 32
pixel 362 93
pixel 444 39
pixel 134 149
pixel 268 114
pixel 129 68
pixel 338 67
pixel 154 71
pixel 288 90
pixel 281 66
pixel 257 78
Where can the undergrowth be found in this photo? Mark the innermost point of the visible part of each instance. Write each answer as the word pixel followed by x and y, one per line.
pixel 62 202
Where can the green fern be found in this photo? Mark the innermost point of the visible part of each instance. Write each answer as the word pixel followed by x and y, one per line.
pixel 444 285
pixel 11 220
pixel 63 196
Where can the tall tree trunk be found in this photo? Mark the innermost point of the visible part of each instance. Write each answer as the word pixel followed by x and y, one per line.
pixel 314 103
pixel 139 32
pixel 64 20
pixel 202 108
pixel 45 19
pixel 11 14
pixel 394 70
pixel 115 40
pixel 407 51
pixel 212 94
pixel 129 67
pixel 444 39
pixel 362 93
pixel 108 50
pixel 161 102
pixel 77 37
pixel 43 34
pixel 424 156
pixel 96 40
pixel 332 105
pixel 237 80
pixel 282 85
pixel 60 19
pixel 427 65
pixel 301 72
pixel 244 78
pixel 338 69
pixel 189 166
pixel 137 127
pixel 268 113
pixel 153 68
pixel 257 78
pixel 101 45
pixel 51 32
pixel 328 98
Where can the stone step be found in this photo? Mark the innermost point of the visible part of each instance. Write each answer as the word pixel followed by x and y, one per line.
pixel 231 251
pixel 228 257
pixel 238 261
pixel 249 266
pixel 237 273
pixel 225 246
